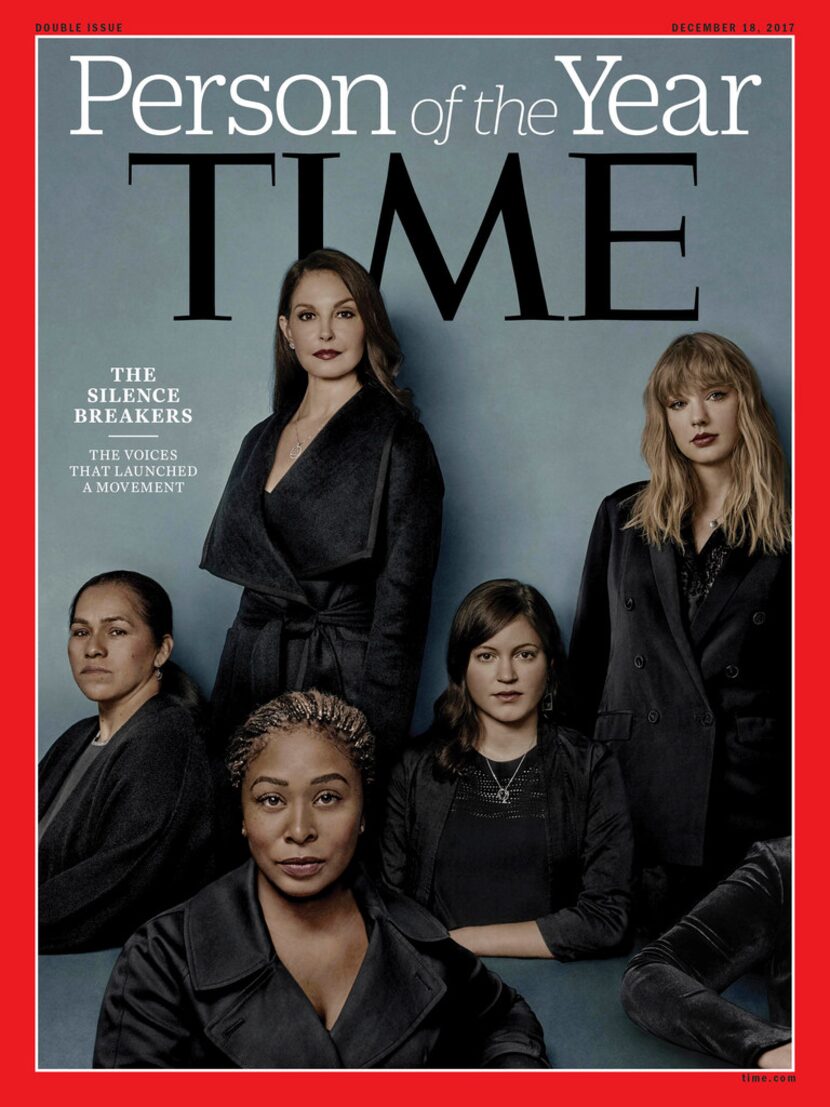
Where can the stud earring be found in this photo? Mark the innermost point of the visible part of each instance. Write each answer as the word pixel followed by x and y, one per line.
pixel 158 674
pixel 291 344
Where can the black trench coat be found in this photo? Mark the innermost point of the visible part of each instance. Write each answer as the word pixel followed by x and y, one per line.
pixel 201 987
pixel 340 599
pixel 700 719
pixel 134 836
pixel 587 826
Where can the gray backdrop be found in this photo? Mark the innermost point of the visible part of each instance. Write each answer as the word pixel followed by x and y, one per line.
pixel 533 422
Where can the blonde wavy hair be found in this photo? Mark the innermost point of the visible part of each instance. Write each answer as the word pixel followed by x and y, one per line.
pixel 756 510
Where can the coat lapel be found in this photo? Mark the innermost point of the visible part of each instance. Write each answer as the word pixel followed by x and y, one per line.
pixel 262 1017
pixel 330 500
pixel 737 565
pixel 664 567
pixel 399 986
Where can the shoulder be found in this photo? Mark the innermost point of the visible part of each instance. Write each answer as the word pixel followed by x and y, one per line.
pixel 620 501
pixel 420 757
pixel 159 941
pixel 265 426
pixel 73 733
pixel 584 754
pixel 162 734
pixel 410 918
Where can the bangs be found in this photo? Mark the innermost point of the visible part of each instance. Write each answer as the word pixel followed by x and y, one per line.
pixel 681 372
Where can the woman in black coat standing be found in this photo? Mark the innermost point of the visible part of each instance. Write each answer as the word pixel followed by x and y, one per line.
pixel 331 517
pixel 680 652
pixel 513 830
pixel 126 806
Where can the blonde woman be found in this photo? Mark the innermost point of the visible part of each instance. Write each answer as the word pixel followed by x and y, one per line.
pixel 680 650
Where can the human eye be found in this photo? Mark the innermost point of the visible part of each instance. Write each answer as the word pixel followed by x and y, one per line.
pixel 305 315
pixel 347 313
pixel 717 394
pixel 78 632
pixel 676 405
pixel 117 632
pixel 527 655
pixel 270 800
pixel 327 798
pixel 484 655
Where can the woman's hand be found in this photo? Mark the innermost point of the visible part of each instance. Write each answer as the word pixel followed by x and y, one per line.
pixel 779 1058
pixel 522 939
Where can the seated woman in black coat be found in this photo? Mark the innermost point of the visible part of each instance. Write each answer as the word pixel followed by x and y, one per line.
pixel 513 830
pixel 672 987
pixel 296 960
pixel 125 797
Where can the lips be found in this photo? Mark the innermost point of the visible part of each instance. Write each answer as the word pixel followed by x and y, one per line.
pixel 507 697
pixel 91 670
pixel 703 439
pixel 326 355
pixel 301 867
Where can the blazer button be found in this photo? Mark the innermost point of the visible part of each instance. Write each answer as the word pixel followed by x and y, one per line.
pixel 759 618
pixel 706 720
pixel 653 716
pixel 639 662
pixel 629 603
pixel 732 671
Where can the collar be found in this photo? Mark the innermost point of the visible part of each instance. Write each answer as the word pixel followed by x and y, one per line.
pixel 227 940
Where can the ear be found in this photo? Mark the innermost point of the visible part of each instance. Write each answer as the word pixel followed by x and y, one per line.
pixel 164 651
pixel 285 328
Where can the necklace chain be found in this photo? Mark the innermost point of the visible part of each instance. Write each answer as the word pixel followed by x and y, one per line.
pixel 503 793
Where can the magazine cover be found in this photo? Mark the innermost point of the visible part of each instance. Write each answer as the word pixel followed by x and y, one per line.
pixel 543 216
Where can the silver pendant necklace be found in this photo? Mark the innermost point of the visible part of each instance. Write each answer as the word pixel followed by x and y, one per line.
pixel 503 793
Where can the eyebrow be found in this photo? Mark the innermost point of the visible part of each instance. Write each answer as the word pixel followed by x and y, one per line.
pixel 337 304
pixel 285 784
pixel 106 619
pixel 522 646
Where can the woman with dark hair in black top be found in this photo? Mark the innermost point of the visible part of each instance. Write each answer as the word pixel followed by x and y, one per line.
pixel 126 803
pixel 512 829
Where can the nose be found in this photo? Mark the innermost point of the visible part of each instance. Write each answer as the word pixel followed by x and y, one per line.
pixel 300 828
pixel 697 412
pixel 506 673
pixel 326 326
pixel 95 646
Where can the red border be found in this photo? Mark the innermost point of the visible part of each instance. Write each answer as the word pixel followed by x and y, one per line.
pixel 371 17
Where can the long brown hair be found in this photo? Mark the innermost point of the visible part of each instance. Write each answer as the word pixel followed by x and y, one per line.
pixel 756 509
pixel 482 613
pixel 382 356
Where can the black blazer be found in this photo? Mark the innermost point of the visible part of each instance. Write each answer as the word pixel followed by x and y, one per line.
pixel 587 826
pixel 700 719
pixel 135 834
pixel 201 987
pixel 673 987
pixel 340 600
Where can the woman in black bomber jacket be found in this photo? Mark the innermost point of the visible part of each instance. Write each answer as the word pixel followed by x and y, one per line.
pixel 331 517
pixel 680 654
pixel 296 960
pixel 513 830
